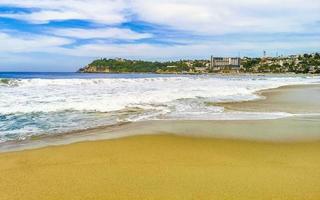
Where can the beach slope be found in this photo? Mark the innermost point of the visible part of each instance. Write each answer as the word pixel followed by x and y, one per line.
pixel 163 167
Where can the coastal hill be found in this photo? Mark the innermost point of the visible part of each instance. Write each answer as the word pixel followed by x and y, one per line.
pixel 305 63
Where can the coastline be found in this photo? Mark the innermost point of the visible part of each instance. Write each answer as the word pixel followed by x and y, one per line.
pixel 227 159
pixel 304 126
pixel 297 99
pixel 208 73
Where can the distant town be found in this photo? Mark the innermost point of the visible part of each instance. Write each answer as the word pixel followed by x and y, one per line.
pixel 303 63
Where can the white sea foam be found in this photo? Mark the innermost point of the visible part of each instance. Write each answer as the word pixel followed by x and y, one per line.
pixel 105 95
pixel 126 99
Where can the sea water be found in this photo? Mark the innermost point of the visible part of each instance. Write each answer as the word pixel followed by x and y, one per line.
pixel 33 104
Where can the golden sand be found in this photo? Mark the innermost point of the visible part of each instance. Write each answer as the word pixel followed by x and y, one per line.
pixel 163 167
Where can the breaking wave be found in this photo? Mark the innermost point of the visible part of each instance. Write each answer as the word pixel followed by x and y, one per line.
pixel 32 106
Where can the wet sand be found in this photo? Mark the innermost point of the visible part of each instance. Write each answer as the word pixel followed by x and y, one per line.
pixel 262 159
pixel 297 99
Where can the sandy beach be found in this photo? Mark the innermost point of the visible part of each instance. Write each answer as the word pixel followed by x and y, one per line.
pixel 293 99
pixel 163 167
pixel 257 159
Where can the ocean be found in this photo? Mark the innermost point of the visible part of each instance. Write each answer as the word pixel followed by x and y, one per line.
pixel 33 104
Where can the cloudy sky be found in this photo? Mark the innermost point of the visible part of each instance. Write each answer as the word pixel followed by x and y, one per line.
pixel 63 35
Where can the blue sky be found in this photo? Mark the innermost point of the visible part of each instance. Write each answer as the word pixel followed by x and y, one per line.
pixel 63 35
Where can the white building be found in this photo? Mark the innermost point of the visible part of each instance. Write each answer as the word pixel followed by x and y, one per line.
pixel 225 62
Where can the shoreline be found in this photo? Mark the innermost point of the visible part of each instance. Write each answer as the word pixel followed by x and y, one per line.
pixel 202 128
pixel 213 73
pixel 275 100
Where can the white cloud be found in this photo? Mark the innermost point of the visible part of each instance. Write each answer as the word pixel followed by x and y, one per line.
pixel 31 43
pixel 11 43
pixel 195 50
pixel 103 33
pixel 198 16
pixel 101 11
pixel 232 16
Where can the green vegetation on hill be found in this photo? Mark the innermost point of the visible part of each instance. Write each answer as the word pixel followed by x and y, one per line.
pixel 123 65
pixel 306 63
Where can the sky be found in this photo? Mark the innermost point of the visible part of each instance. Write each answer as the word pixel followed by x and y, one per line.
pixel 64 35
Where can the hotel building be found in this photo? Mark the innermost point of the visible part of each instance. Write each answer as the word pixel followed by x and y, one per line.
pixel 217 63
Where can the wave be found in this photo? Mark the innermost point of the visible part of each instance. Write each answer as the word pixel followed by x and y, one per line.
pixel 105 95
pixel 30 107
pixel 96 81
pixel 8 82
